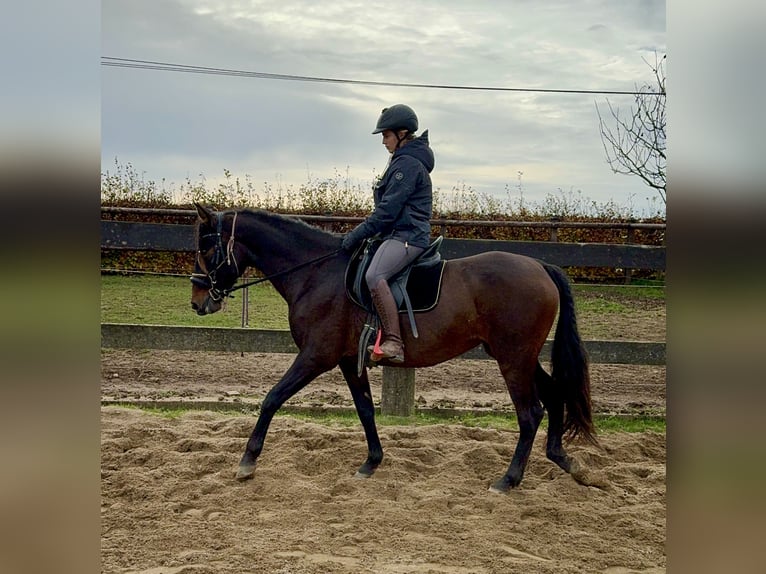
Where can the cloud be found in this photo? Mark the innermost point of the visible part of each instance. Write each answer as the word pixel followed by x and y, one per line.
pixel 266 127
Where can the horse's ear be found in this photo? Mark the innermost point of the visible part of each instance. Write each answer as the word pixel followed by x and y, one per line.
pixel 204 213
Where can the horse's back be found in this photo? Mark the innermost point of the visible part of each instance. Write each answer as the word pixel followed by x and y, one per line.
pixel 504 285
pixel 502 268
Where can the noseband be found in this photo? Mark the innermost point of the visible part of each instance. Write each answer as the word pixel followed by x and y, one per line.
pixel 206 280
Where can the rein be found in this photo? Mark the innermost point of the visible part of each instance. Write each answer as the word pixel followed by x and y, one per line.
pixel 227 292
pixel 218 294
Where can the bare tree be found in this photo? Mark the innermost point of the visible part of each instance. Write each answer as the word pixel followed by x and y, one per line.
pixel 636 145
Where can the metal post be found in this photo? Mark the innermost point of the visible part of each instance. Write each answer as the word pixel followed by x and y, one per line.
pixel 245 312
pixel 245 308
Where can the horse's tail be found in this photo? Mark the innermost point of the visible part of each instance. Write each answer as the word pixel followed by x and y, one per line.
pixel 569 360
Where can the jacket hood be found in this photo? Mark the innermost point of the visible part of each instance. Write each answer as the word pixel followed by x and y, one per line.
pixel 420 150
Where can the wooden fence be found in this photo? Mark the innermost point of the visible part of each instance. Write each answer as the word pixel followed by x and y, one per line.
pixel 398 393
pixel 180 237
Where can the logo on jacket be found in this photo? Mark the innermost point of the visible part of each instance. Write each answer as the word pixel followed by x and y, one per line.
pixel 399 176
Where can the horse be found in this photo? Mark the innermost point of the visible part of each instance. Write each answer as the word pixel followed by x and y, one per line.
pixel 503 301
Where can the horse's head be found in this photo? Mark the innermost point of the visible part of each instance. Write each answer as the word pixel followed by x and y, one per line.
pixel 216 268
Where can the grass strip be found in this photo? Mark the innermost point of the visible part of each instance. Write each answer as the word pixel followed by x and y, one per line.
pixel 165 300
pixel 347 417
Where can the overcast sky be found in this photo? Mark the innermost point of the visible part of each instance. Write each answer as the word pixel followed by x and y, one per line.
pixel 176 125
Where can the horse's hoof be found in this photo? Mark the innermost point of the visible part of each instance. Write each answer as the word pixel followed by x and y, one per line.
pixel 245 472
pixel 574 466
pixel 502 486
pixel 366 470
pixel 563 462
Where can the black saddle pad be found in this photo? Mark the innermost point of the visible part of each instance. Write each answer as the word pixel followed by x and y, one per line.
pixel 423 287
pixel 422 280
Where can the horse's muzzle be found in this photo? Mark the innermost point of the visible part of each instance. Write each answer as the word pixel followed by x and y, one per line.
pixel 207 306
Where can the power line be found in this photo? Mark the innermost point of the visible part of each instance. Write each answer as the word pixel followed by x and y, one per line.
pixel 168 67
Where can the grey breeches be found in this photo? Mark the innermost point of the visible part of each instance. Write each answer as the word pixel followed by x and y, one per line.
pixel 391 257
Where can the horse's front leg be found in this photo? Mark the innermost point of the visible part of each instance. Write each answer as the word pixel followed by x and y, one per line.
pixel 365 408
pixel 301 373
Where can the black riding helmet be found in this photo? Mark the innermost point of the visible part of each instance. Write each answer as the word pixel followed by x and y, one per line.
pixel 397 117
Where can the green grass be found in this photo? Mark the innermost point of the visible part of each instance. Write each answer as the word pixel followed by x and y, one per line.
pixel 604 424
pixel 627 292
pixel 616 299
pixel 600 305
pixel 166 300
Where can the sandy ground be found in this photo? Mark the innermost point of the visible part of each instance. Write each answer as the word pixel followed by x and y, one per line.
pixel 244 380
pixel 170 504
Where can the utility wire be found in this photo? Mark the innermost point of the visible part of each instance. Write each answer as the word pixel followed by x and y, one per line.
pixel 168 67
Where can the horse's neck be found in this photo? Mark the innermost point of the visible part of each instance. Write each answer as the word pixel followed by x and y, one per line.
pixel 280 243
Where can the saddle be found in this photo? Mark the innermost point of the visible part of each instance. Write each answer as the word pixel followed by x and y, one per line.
pixel 415 288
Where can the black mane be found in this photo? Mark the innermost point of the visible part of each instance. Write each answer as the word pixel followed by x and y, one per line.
pixel 292 224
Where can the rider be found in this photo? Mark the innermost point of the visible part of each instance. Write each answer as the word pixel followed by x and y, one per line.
pixel 403 205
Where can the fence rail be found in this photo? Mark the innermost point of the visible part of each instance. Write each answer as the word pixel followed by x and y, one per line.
pixel 234 339
pixel 180 237
pixel 320 219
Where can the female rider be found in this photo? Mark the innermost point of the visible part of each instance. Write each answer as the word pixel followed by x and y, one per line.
pixel 403 205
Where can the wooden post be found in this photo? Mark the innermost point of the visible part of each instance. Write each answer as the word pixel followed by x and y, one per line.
pixel 398 394
pixel 628 273
pixel 555 230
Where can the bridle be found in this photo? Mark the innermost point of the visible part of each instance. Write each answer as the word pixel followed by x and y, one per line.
pixel 207 279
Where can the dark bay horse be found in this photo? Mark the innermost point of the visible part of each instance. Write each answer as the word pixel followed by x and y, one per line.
pixel 505 302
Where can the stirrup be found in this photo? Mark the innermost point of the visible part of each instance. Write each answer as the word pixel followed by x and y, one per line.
pixel 376 354
pixel 376 357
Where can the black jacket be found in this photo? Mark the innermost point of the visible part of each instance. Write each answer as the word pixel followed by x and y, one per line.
pixel 403 198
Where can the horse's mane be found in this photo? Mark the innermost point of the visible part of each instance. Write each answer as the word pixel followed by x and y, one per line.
pixel 290 223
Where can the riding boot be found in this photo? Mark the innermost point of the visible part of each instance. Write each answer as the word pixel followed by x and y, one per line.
pixel 391 348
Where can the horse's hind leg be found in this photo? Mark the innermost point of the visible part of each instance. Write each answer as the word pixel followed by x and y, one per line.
pixel 365 408
pixel 529 411
pixel 553 401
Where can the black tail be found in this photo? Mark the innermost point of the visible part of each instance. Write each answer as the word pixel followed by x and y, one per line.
pixel 570 363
